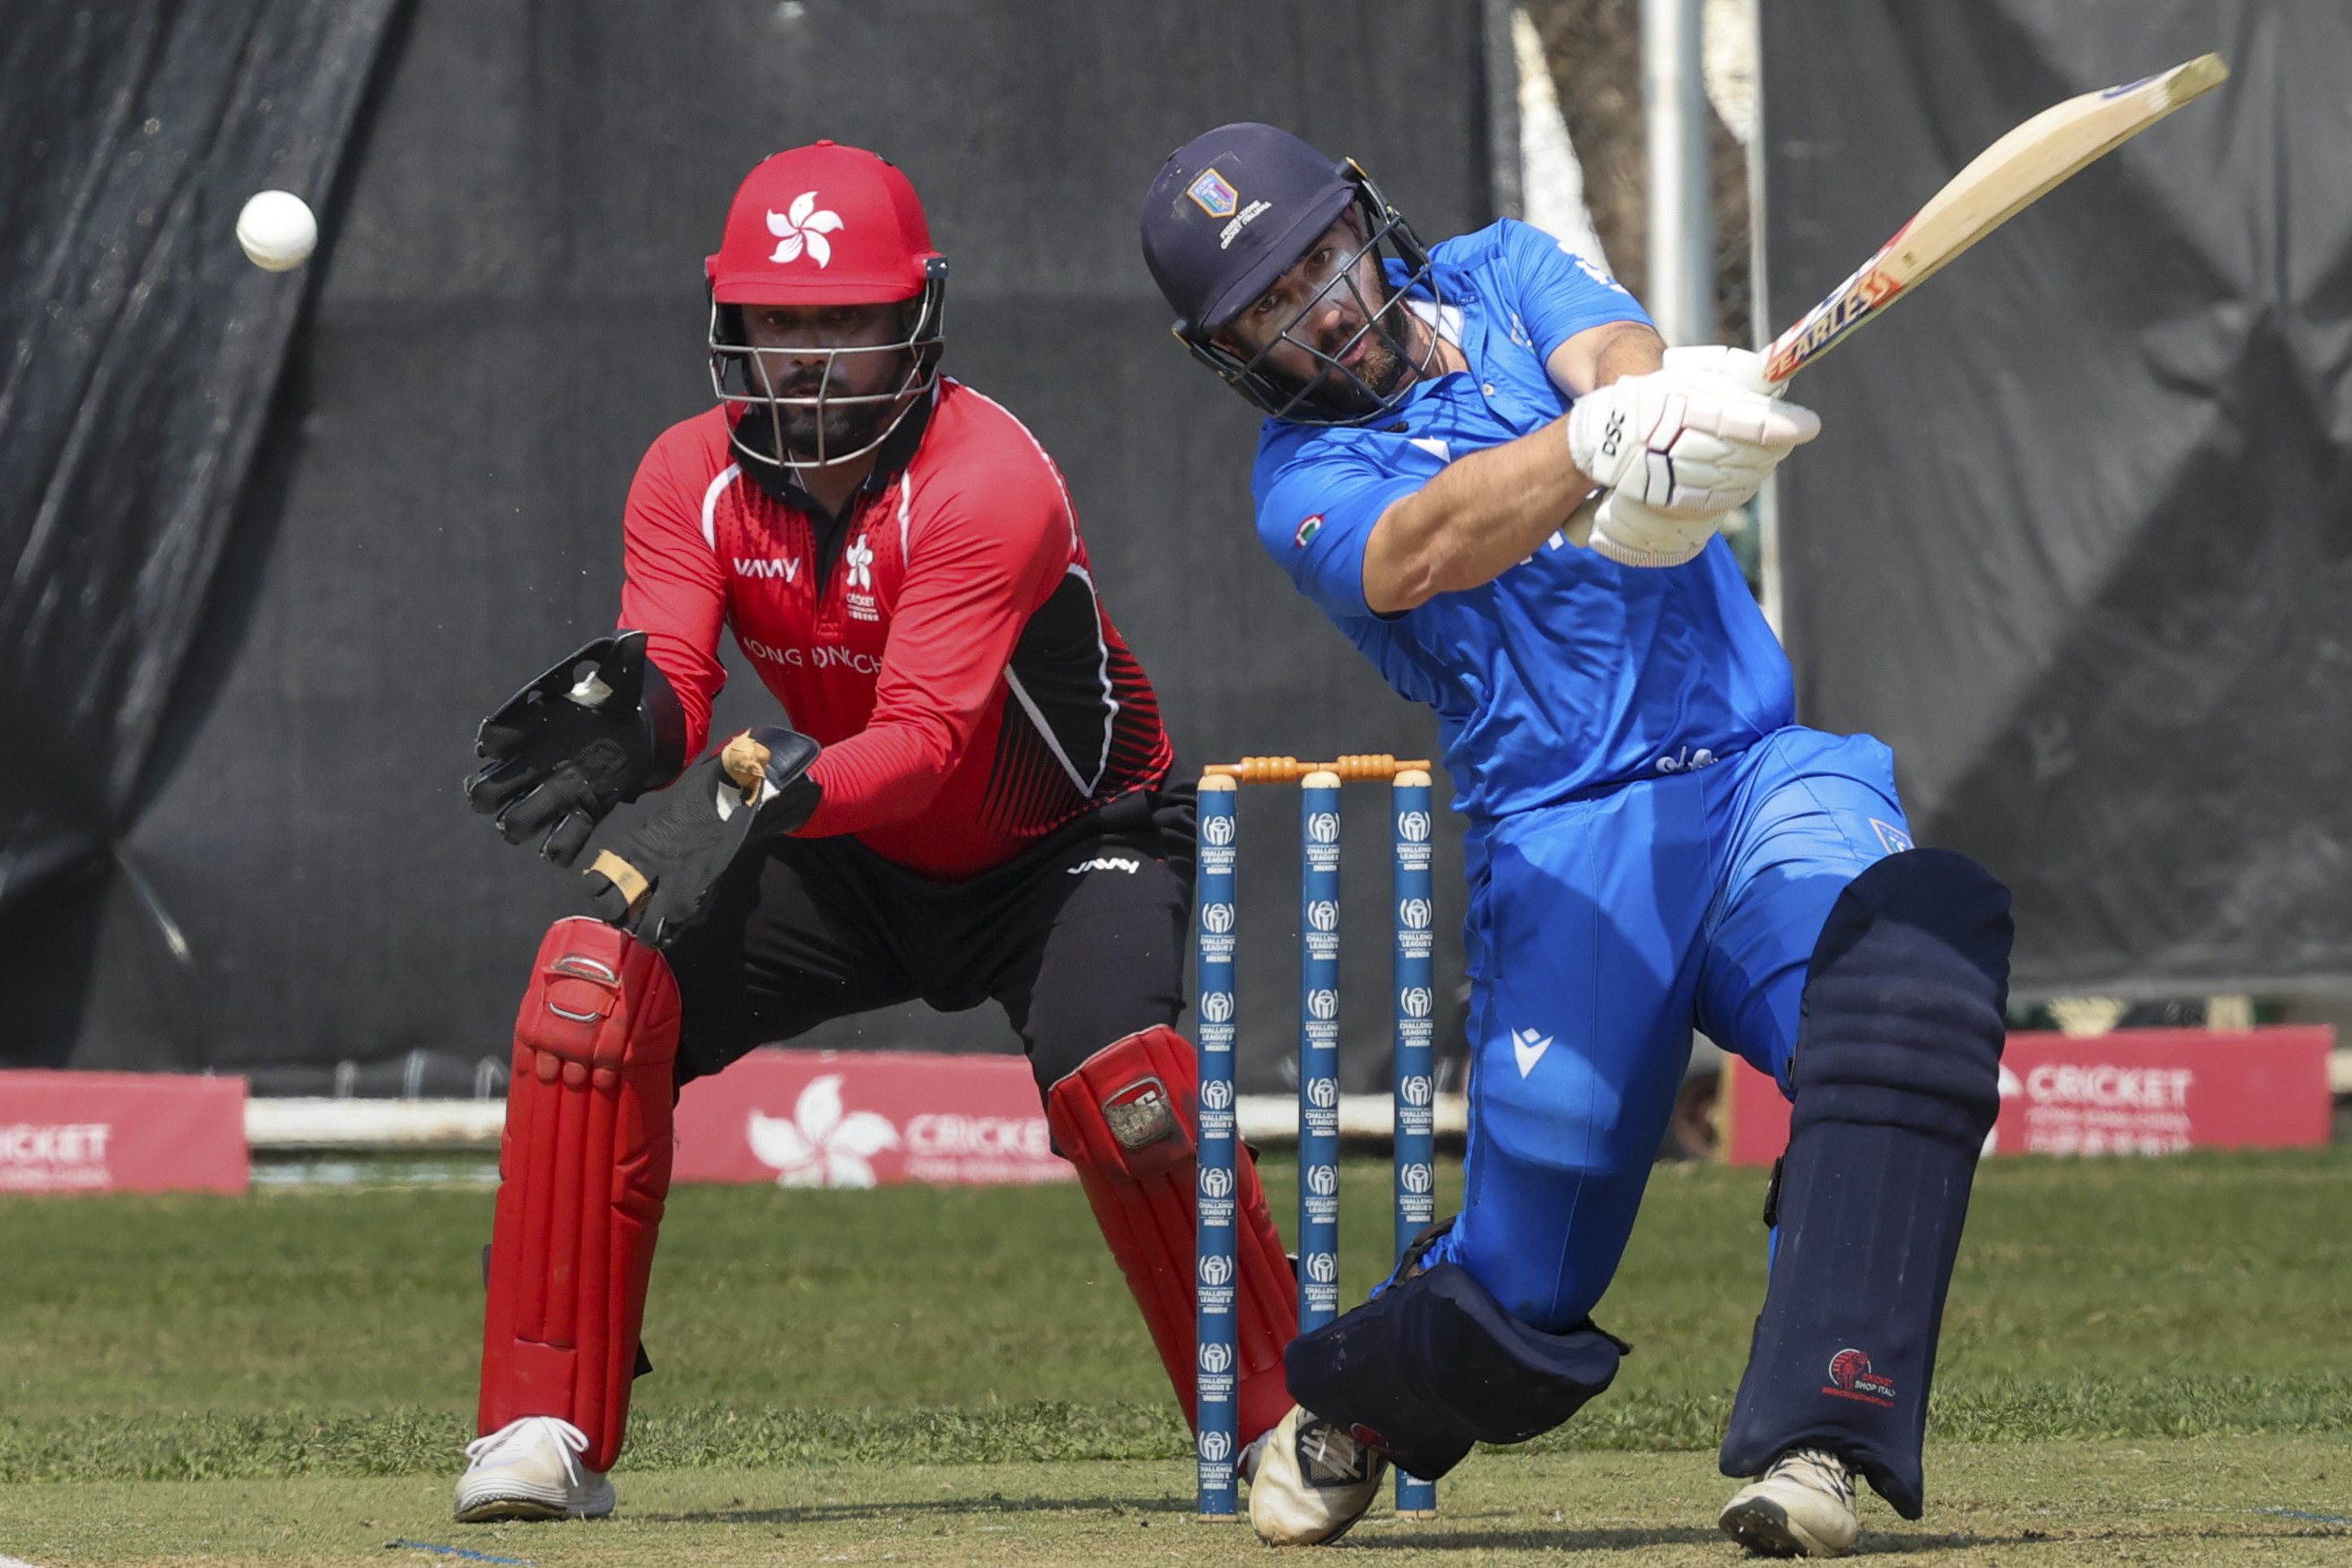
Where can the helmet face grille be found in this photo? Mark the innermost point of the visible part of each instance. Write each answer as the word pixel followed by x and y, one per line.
pixel 1335 394
pixel 744 378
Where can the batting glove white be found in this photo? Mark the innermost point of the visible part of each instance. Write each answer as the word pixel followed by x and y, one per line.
pixel 1632 534
pixel 1742 368
pixel 1690 441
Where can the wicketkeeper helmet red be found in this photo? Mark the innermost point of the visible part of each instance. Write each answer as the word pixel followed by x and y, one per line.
pixel 824 224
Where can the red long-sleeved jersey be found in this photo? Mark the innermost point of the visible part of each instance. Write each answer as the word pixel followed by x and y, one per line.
pixel 952 656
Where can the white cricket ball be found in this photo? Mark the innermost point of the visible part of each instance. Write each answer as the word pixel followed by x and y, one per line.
pixel 277 230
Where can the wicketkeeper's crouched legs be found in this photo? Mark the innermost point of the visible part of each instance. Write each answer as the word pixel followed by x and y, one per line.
pixel 1895 1082
pixel 1126 1119
pixel 585 1166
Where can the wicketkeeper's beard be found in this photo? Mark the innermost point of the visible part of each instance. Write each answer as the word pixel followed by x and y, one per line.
pixel 846 426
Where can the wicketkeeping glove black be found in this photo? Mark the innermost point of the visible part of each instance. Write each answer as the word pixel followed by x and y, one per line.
pixel 599 728
pixel 658 883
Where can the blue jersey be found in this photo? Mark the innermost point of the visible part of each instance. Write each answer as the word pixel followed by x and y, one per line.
pixel 1568 672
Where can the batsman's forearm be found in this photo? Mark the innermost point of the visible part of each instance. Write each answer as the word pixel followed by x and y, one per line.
pixel 1631 349
pixel 1599 355
pixel 1477 519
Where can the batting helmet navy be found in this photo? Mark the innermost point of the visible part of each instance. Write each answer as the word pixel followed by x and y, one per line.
pixel 1233 210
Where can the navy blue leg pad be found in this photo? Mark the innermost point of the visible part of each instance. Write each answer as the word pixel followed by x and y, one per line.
pixel 1897 1080
pixel 1434 1364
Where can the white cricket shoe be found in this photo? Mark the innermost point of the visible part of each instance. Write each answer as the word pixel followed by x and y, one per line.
pixel 1801 1506
pixel 530 1469
pixel 1312 1481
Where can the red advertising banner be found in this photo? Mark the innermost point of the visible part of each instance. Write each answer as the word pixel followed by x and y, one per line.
pixel 862 1119
pixel 120 1133
pixel 2134 1091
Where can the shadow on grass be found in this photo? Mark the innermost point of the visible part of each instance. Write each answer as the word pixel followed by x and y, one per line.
pixel 287 1443
pixel 1877 1543
pixel 1607 1538
pixel 1158 1509
pixel 1385 1534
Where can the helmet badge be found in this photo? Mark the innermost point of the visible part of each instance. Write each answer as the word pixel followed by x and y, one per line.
pixel 804 225
pixel 1213 194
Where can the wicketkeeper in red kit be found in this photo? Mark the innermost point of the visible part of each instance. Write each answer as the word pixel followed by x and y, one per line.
pixel 975 801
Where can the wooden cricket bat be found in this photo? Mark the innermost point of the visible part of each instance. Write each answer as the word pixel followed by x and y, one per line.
pixel 2002 182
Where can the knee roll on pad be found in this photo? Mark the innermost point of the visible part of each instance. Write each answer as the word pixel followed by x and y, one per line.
pixel 585 1165
pixel 1434 1364
pixel 1126 1119
pixel 1904 1002
pixel 1896 1081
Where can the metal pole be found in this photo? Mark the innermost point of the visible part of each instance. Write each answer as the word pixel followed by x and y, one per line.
pixel 1505 172
pixel 1765 508
pixel 1413 1082
pixel 1681 296
pixel 1217 1283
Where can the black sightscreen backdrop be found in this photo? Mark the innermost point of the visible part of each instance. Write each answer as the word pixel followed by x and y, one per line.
pixel 2076 538
pixel 509 307
pixel 141 350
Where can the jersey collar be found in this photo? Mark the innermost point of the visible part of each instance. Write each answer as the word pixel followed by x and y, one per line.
pixel 890 459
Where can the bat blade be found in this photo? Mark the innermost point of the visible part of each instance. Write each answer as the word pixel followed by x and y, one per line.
pixel 1998 183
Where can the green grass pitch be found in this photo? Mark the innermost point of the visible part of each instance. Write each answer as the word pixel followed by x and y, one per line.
pixel 2141 1357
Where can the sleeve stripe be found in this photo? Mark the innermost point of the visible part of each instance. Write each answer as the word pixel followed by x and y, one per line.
pixel 1102 671
pixel 710 504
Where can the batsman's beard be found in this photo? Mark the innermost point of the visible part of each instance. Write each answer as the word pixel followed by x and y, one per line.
pixel 1384 365
pixel 1368 385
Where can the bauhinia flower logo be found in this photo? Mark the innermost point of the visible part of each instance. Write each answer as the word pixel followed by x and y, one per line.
pixel 822 1146
pixel 803 225
pixel 860 559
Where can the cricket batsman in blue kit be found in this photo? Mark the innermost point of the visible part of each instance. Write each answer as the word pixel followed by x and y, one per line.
pixel 1654 844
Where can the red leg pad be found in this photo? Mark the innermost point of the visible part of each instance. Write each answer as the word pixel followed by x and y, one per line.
pixel 1127 1119
pixel 584 1169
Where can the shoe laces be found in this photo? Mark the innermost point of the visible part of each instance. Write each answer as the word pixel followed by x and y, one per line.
pixel 1816 1469
pixel 517 1439
pixel 1329 1454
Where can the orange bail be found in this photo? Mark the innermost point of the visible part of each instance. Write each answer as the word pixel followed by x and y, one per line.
pixel 1374 765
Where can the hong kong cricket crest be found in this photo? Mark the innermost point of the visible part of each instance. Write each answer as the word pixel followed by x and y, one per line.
pixel 1851 1378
